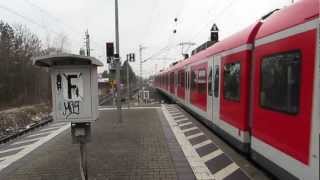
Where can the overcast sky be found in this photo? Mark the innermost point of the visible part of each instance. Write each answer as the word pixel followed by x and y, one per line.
pixel 146 22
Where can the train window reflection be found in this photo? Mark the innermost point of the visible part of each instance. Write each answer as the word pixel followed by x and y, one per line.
pixel 216 81
pixel 231 81
pixel 210 82
pixel 280 79
pixel 193 80
pixel 202 81
pixel 181 79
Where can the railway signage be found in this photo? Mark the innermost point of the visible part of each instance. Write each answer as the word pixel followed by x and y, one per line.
pixel 74 86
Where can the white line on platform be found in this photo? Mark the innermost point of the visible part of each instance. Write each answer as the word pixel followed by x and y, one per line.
pixel 173 110
pixel 9 160
pixel 206 142
pixel 184 124
pixel 112 108
pixel 180 116
pixel 13 149
pixel 223 173
pixel 25 141
pixel 59 123
pixel 212 155
pixel 6 157
pixel 176 113
pixel 49 128
pixel 197 165
pixel 171 107
pixel 189 129
pixel 39 134
pixel 184 119
pixel 195 135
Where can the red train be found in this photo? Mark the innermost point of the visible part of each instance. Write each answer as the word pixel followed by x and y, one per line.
pixel 260 90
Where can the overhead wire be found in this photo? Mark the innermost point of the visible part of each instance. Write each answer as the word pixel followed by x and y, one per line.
pixel 26 18
pixel 168 46
pixel 216 17
pixel 154 9
pixel 58 20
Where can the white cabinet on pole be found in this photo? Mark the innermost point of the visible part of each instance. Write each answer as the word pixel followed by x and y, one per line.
pixel 74 86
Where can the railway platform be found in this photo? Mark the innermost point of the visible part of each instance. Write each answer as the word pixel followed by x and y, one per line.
pixel 159 141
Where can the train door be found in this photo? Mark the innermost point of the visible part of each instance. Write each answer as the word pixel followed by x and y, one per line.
pixel 187 86
pixel 210 88
pixel 316 121
pixel 215 88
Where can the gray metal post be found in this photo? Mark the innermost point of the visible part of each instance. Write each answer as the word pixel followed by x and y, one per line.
pixel 118 59
pixel 88 42
pixel 140 56
pixel 83 161
pixel 128 84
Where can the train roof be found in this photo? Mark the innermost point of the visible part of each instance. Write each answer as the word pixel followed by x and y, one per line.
pixel 243 37
pixel 298 13
pixel 246 36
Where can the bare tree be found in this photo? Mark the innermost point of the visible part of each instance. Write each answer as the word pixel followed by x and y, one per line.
pixel 20 82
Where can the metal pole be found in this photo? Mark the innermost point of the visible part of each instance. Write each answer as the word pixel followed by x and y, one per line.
pixel 83 161
pixel 128 84
pixel 140 54
pixel 88 42
pixel 118 59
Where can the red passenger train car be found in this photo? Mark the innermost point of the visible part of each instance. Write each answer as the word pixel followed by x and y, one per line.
pixel 260 90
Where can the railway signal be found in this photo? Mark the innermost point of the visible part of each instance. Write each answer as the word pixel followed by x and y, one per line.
pixel 131 57
pixel 109 49
pixel 214 33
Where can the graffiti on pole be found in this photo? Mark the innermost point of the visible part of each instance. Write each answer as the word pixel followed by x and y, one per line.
pixel 70 93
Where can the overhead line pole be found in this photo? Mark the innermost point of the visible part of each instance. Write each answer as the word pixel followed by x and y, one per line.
pixel 140 54
pixel 128 84
pixel 117 58
pixel 88 43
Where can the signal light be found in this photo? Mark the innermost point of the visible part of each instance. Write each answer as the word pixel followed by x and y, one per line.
pixel 110 49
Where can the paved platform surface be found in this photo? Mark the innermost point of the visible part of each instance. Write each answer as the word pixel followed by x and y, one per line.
pixel 149 142
pixel 134 148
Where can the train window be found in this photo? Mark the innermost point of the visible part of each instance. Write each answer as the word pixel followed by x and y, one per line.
pixel 231 81
pixel 202 80
pixel 189 80
pixel 177 79
pixel 216 82
pixel 181 80
pixel 186 79
pixel 210 82
pixel 280 82
pixel 193 80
